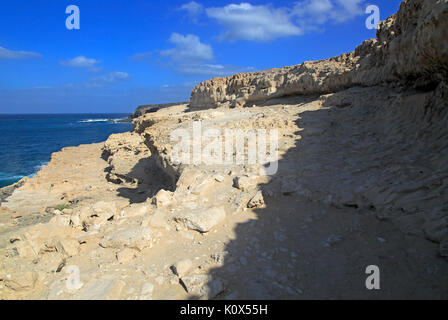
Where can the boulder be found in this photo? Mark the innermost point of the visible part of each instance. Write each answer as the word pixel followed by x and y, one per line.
pixel 202 285
pixel 75 221
pixel 139 239
pixel 135 210
pixel 257 201
pixel 244 183
pixel 105 210
pixel 163 198
pixel 202 220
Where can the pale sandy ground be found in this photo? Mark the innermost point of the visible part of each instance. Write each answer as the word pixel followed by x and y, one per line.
pixel 362 180
pixel 300 245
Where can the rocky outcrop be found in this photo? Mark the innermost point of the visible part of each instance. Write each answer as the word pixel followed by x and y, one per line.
pixel 370 150
pixel 9 190
pixel 362 179
pixel 126 154
pixel 150 108
pixel 411 49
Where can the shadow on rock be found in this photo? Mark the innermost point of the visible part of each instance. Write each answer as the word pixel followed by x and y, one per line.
pixel 345 198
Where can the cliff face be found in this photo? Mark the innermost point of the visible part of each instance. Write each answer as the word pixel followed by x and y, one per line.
pixel 411 48
pixel 362 179
pixel 141 110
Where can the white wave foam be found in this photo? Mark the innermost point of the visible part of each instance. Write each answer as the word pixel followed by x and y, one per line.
pixel 94 120
pixel 11 178
pixel 40 166
pixel 117 120
pixel 102 120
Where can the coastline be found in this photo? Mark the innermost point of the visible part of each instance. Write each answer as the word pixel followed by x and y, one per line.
pixel 8 190
pixel 30 139
pixel 361 181
pixel 114 204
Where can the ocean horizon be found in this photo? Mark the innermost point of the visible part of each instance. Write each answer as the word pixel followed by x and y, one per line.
pixel 28 140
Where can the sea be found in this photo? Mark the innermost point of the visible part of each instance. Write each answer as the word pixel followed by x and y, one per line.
pixel 27 141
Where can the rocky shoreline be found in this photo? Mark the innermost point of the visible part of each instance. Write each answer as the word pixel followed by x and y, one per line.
pixel 362 180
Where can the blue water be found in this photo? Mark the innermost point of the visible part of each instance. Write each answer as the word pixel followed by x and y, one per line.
pixel 27 141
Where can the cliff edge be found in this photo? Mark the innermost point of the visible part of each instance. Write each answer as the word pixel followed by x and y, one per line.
pixel 362 179
pixel 410 49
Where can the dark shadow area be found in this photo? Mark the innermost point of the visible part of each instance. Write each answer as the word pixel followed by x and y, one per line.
pixel 313 244
pixel 325 218
pixel 285 99
pixel 143 181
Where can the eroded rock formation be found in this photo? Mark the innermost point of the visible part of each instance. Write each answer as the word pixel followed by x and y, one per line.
pixel 362 180
pixel 410 49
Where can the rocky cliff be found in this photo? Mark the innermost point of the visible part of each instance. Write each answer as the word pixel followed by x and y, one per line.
pixel 362 180
pixel 411 49
pixel 141 110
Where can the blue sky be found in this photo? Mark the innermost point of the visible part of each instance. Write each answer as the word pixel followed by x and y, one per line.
pixel 132 52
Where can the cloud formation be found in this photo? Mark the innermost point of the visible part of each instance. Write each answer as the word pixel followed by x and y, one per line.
pixel 83 62
pixel 109 78
pixel 11 54
pixel 192 57
pixel 188 49
pixel 250 22
pixel 193 9
pixel 313 14
pixel 189 56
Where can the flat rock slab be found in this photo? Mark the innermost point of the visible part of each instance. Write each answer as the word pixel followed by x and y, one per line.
pixel 202 220
pixel 202 285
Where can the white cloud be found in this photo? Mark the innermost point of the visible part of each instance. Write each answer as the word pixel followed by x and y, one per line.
pixel 315 10
pixel 245 21
pixel 250 22
pixel 193 9
pixel 312 14
pixel 81 62
pixel 10 54
pixel 348 9
pixel 108 78
pixel 189 49
pixel 190 57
